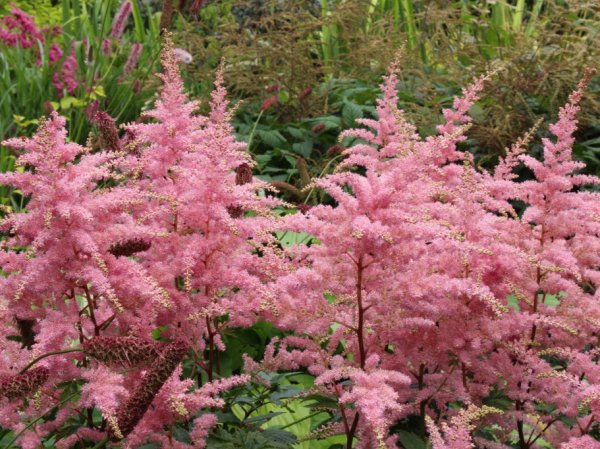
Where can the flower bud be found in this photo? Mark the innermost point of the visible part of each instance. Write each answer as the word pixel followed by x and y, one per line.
pixel 334 150
pixel 108 130
pixel 305 93
pixel 318 128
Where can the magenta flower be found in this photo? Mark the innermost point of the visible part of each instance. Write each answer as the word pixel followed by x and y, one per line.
pixel 19 29
pixel 55 53
pixel 106 46
pixel 66 79
pixel 269 102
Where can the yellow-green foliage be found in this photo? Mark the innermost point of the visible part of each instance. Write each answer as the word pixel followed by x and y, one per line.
pixel 42 11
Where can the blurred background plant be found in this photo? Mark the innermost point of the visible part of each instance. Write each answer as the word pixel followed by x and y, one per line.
pixel 298 63
pixel 78 53
pixel 76 57
pixel 303 70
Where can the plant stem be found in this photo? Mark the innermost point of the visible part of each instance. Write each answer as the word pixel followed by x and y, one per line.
pixel 48 354
pixel 253 131
pixel 39 418
pixel 362 352
pixel 361 314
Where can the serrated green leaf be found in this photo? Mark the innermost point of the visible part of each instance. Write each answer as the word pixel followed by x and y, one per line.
pixel 351 112
pixel 272 138
pixel 297 133
pixel 304 149
pixel 411 441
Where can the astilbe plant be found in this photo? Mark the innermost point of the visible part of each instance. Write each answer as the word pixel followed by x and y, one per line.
pixel 205 255
pixel 59 277
pixel 546 352
pixel 432 294
pixel 150 233
pixel 402 307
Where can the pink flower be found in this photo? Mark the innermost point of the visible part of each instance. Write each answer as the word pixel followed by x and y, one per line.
pixel 19 29
pixel 269 103
pixel 106 46
pixel 55 53
pixel 120 20
pixel 415 293
pixel 182 55
pixel 133 58
pixel 66 79
pixel 69 71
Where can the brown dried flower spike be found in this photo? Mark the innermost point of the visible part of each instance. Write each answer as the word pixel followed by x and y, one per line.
pixel 121 351
pixel 243 175
pixel 108 131
pixel 22 385
pixel 129 247
pixel 131 412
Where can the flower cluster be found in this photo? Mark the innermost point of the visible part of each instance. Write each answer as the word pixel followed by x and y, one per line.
pixel 18 28
pixel 116 245
pixel 424 269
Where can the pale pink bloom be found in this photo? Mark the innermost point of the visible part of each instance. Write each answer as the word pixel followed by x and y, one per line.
pixel 182 55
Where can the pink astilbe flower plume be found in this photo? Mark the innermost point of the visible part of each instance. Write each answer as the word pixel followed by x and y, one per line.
pixel 400 261
pixel 429 290
pixel 200 179
pixel 558 237
pixel 62 257
pixel 457 434
pixel 419 241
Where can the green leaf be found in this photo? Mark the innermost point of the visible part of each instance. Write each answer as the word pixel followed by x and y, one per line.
pixel 283 96
pixel 280 436
pixel 263 418
pixel 98 92
pixel 411 441
pixel 351 112
pixel 329 297
pixel 330 122
pixel 182 435
pixel 297 133
pixel 68 102
pixel 272 138
pixel 477 113
pixel 303 148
